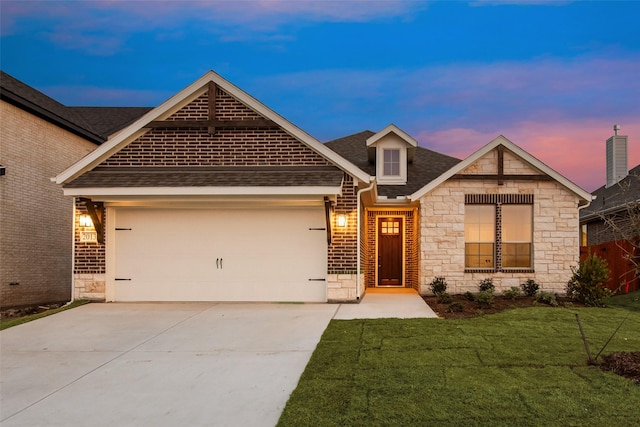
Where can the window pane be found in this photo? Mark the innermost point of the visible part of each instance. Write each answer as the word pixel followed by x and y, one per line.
pixel 479 255
pixel 391 162
pixel 516 255
pixel 516 223
pixel 479 223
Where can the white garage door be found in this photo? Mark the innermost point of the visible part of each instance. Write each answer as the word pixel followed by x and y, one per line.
pixel 220 255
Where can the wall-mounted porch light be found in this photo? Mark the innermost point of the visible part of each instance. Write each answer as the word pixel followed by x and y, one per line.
pixel 85 221
pixel 341 220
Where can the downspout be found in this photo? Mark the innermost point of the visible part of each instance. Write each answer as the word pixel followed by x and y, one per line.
pixel 73 252
pixel 373 182
pixel 579 225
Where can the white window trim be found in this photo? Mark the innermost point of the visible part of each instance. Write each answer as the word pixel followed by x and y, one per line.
pixel 399 179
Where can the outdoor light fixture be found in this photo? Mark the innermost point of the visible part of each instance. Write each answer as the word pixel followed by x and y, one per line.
pixel 85 221
pixel 341 220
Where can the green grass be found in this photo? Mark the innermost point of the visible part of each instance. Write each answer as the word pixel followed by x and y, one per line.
pixel 7 323
pixel 524 367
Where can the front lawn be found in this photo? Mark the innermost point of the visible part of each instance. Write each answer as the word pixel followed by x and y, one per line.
pixel 525 367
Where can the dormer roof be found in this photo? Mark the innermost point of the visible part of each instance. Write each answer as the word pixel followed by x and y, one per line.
pixel 373 140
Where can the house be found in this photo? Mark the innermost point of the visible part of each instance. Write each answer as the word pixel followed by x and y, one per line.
pixel 609 226
pixel 39 137
pixel 213 196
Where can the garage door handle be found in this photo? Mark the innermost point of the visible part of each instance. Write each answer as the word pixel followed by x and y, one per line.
pixel 317 280
pixel 219 263
pixel 121 279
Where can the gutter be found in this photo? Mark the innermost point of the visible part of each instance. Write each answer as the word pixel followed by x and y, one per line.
pixel 358 262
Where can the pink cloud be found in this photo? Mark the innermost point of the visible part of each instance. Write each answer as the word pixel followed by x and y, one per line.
pixel 575 149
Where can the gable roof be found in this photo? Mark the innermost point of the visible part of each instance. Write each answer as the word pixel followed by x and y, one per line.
pixel 180 99
pixel 615 197
pixel 92 123
pixel 392 129
pixel 501 140
pixel 427 165
pixel 37 103
pixel 108 120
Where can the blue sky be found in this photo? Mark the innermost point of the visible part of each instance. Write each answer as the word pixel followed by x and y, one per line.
pixel 553 77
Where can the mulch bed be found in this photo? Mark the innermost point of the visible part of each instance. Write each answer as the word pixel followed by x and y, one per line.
pixel 472 309
pixel 623 364
pixel 12 313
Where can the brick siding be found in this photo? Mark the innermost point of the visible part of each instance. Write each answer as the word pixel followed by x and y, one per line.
pixel 343 250
pixel 411 246
pixel 89 256
pixel 35 217
pixel 227 147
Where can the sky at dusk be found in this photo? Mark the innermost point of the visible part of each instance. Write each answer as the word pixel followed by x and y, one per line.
pixel 552 77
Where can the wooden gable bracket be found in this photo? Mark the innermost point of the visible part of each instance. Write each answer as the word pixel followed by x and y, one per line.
pixel 500 176
pixel 211 96
pixel 500 149
pixel 95 210
pixel 211 123
pixel 327 212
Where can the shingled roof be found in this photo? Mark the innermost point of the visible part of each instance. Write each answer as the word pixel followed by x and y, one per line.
pixel 92 123
pixel 615 197
pixel 108 120
pixel 426 166
pixel 104 177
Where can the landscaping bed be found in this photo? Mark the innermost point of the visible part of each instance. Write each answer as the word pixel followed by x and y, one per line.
pixel 470 308
pixel 11 313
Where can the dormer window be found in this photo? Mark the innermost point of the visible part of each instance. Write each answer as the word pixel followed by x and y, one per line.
pixel 391 150
pixel 391 162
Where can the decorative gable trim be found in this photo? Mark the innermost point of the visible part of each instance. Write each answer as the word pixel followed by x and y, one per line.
pixel 371 141
pixel 501 141
pixel 200 87
pixel 394 142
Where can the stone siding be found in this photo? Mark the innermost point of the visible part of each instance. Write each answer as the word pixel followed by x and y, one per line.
pixel 555 230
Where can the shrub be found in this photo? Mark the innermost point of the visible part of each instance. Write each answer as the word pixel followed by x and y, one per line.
pixel 485 299
pixel 530 287
pixel 547 298
pixel 455 307
pixel 438 285
pixel 587 282
pixel 487 285
pixel 469 296
pixel 444 298
pixel 512 293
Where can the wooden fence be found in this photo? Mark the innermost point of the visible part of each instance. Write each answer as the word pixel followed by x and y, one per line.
pixel 622 275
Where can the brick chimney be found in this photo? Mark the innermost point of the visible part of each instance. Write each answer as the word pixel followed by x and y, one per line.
pixel 617 165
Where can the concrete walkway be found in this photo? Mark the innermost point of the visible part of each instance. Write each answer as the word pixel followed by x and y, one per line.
pixel 169 364
pixel 380 303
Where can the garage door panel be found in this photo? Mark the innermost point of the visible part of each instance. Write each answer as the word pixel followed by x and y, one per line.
pixel 220 255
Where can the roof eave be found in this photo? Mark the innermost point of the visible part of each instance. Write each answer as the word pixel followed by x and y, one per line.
pixel 501 140
pixel 47 115
pixel 137 128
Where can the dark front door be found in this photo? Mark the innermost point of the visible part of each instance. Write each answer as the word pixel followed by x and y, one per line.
pixel 390 251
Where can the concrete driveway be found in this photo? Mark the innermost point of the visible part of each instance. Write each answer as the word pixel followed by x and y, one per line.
pixel 164 364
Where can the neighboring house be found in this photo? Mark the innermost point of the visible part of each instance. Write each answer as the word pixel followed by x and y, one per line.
pixel 609 226
pixel 39 137
pixel 212 196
